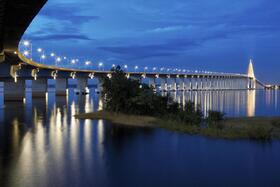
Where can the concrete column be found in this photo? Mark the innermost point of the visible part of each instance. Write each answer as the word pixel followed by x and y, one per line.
pixel 210 83
pixel 14 91
pixel 99 85
pixel 235 85
pixel 199 83
pixel 163 85
pixel 28 95
pixel 205 85
pixel 39 87
pixel 82 84
pixel 219 83
pixel 181 83
pixel 61 86
pixel 1 95
pixel 227 80
pixel 225 83
pixel 173 85
pixel 216 83
pixel 152 83
pixel 194 83
pixel 187 83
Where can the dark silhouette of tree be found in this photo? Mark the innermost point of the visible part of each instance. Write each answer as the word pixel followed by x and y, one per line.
pixel 125 95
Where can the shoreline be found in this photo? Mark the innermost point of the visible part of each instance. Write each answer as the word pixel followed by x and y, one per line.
pixel 257 128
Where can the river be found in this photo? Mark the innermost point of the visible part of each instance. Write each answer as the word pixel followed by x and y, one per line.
pixel 42 144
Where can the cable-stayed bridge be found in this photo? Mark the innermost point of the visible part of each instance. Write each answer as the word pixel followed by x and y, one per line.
pixel 19 72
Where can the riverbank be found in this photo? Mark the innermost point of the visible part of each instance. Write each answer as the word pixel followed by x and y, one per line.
pixel 259 128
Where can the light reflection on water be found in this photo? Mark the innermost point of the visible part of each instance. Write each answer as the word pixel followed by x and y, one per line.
pixel 233 103
pixel 42 144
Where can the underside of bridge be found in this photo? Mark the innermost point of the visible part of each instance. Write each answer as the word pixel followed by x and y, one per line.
pixel 15 17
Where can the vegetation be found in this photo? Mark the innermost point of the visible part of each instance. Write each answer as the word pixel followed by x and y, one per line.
pixel 123 95
pixel 214 119
pixel 130 103
pixel 233 128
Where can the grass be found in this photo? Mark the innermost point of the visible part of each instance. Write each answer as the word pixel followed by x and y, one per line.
pixel 131 120
pixel 257 128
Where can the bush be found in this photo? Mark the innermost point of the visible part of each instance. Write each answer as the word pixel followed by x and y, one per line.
pixel 129 96
pixel 214 119
pixel 275 123
pixel 215 116
pixel 259 133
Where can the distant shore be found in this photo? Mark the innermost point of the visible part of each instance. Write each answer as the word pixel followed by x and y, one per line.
pixel 258 128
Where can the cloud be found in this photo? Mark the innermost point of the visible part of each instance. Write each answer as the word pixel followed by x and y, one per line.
pixel 166 29
pixel 49 37
pixel 67 12
pixel 169 48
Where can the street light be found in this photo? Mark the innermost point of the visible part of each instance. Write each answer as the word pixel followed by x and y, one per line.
pixel 26 43
pixel 57 60
pixel 87 63
pixel 145 68
pixel 26 53
pixel 39 50
pixel 73 61
pixel 27 47
pixel 43 57
pixel 100 65
pixel 136 68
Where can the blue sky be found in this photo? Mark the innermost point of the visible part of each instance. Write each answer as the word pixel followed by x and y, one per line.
pixel 216 35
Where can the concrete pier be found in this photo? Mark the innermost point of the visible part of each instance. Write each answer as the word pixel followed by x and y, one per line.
pixel 163 85
pixel 39 87
pixel 1 95
pixel 152 83
pixel 173 84
pixel 181 83
pixel 14 91
pixel 61 86
pixel 82 84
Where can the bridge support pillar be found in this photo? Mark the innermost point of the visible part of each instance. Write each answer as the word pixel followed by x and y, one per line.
pixel 163 85
pixel 204 83
pixel 152 83
pixel 1 95
pixel 200 83
pixel 61 86
pixel 82 84
pixel 14 91
pixel 187 83
pixel 99 85
pixel 173 84
pixel 39 87
pixel 194 83
pixel 181 84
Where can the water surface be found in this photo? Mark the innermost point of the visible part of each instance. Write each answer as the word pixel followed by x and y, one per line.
pixel 41 144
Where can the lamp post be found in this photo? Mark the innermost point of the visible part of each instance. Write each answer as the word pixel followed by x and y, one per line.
pixel 57 61
pixel 125 67
pixel 146 69
pixel 100 65
pixel 135 68
pixel 27 50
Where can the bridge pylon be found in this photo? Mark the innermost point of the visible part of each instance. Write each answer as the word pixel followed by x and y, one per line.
pixel 251 76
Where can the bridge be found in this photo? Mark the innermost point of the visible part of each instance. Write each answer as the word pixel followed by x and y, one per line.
pixel 19 73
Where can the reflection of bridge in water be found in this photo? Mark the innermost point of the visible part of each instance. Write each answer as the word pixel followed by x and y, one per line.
pixel 19 74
